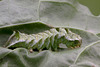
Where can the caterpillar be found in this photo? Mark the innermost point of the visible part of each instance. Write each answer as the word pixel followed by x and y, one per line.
pixel 49 39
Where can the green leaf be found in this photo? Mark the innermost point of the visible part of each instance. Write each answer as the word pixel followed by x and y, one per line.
pixel 68 13
pixel 98 34
pixel 70 58
pixel 28 17
pixel 4 52
pixel 18 11
pixel 89 56
pixel 22 58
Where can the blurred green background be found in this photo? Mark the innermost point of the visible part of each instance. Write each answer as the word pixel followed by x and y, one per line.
pixel 93 5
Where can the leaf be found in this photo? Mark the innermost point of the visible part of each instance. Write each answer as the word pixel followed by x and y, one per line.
pixel 26 15
pixel 68 13
pixel 18 11
pixel 89 57
pixel 98 34
pixel 4 52
pixel 22 58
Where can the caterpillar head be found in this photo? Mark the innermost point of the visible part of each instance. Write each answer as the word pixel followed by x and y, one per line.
pixel 73 44
pixel 74 40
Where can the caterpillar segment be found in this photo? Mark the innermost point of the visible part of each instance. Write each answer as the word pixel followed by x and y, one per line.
pixel 49 39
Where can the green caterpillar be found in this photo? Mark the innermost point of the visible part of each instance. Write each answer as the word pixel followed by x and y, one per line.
pixel 49 39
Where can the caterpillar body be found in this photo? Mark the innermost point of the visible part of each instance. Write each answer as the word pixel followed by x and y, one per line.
pixel 49 39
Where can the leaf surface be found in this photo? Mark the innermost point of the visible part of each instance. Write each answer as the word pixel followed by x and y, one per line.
pixel 28 16
pixel 68 13
pixel 89 57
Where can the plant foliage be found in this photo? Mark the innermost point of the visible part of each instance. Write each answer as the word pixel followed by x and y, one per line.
pixel 35 16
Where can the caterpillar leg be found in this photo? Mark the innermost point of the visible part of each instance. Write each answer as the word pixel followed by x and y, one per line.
pixel 31 50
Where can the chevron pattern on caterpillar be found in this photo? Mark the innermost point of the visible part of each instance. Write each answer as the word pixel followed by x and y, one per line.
pixel 49 39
